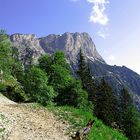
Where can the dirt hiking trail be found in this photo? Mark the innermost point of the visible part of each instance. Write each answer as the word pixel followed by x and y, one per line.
pixel 23 122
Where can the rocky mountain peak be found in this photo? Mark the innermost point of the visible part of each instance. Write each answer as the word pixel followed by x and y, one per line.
pixel 71 43
pixel 31 47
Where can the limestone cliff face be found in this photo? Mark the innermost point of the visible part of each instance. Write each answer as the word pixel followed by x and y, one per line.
pixel 71 43
pixel 30 48
pixel 27 47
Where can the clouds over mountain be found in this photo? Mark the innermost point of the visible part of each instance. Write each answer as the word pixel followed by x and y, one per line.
pixel 98 14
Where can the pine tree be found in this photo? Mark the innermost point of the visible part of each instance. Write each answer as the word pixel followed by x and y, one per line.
pixel 82 68
pixel 129 116
pixel 85 76
pixel 105 105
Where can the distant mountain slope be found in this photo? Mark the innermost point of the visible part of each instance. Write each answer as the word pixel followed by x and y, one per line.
pixel 30 48
pixel 118 77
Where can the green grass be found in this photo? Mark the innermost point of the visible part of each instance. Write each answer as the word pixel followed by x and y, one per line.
pixel 2 117
pixel 2 130
pixel 78 119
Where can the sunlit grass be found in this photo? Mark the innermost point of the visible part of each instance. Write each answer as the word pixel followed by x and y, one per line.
pixel 78 119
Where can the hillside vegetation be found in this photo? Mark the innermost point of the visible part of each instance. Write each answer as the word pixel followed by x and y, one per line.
pixel 50 83
pixel 78 119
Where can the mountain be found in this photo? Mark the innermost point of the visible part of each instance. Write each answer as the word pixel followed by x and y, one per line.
pixel 30 48
pixel 118 77
pixel 71 43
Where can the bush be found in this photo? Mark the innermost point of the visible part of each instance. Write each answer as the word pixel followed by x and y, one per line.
pixel 12 89
pixel 74 95
pixel 36 85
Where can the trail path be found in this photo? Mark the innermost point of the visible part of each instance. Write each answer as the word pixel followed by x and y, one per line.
pixel 23 122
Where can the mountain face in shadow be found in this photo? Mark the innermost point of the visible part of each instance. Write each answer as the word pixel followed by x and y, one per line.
pixel 30 48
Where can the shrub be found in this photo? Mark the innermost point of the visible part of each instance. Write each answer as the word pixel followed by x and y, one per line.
pixel 36 85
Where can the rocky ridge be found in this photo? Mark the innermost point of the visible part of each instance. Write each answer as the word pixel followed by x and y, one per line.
pixel 71 44
pixel 27 47
pixel 30 48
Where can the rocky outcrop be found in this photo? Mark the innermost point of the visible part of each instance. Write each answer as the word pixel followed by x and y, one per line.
pixel 71 43
pixel 27 47
pixel 30 48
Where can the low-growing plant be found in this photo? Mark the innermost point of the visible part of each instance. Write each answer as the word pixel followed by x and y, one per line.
pixel 79 118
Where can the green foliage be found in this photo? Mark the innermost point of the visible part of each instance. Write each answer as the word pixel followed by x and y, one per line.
pixel 105 104
pixel 59 77
pixel 2 87
pixel 101 96
pixel 74 95
pixel 107 107
pixel 6 59
pixel 36 85
pixel 9 84
pixel 82 67
pixel 9 63
pixel 57 69
pixel 129 117
pixel 11 88
pixel 17 68
pixel 78 119
pixel 69 89
pixel 2 129
pixel 52 81
pixel 45 63
pixel 58 58
pixel 86 78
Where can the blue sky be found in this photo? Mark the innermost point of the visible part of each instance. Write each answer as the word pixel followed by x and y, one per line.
pixel 114 25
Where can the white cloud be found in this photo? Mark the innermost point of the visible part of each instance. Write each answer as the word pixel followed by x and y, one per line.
pixel 103 32
pixel 111 58
pixel 98 14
